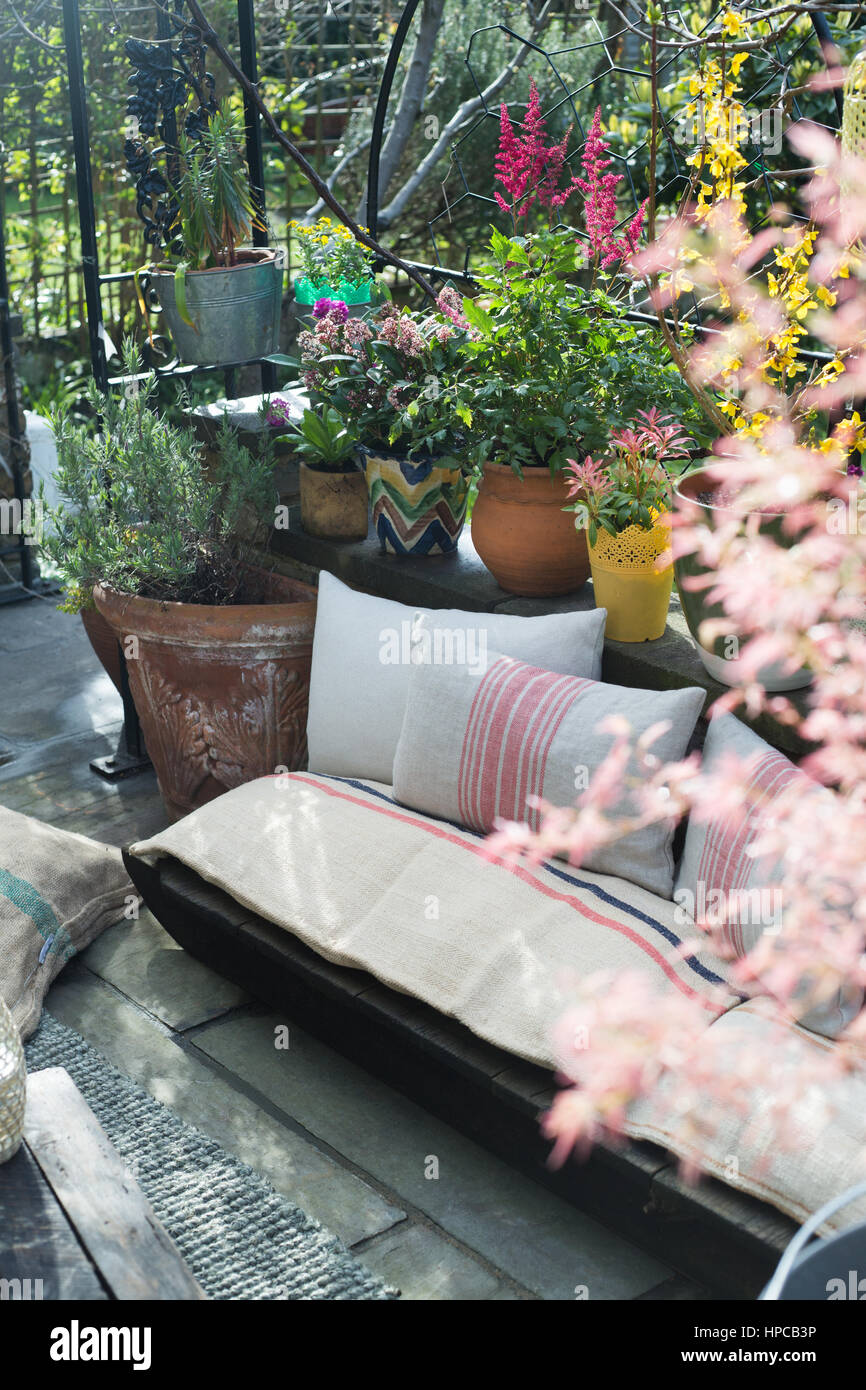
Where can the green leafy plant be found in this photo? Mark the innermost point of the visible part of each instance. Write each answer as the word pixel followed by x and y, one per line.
pixel 143 512
pixel 323 439
pixel 633 488
pixel 394 377
pixel 329 254
pixel 215 208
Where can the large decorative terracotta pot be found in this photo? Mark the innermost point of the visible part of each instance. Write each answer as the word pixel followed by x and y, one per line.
pixel 720 662
pixel 418 505
pixel 529 544
pixel 633 576
pixel 221 691
pixel 334 506
pixel 104 643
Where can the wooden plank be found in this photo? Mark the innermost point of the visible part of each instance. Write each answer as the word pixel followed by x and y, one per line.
pixel 717 1203
pixel 108 1210
pixel 38 1243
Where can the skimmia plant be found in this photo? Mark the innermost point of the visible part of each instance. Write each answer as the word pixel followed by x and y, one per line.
pixel 813 583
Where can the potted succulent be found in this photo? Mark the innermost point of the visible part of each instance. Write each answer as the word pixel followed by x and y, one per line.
pixel 334 502
pixel 217 649
pixel 333 264
pixel 623 505
pixel 394 377
pixel 221 299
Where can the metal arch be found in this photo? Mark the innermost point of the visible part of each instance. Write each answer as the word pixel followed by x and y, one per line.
pixel 603 42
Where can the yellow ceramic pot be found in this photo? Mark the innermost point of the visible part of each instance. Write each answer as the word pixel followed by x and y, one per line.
pixel 632 575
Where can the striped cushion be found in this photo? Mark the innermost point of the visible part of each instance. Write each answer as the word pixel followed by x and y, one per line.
pixel 367 883
pixel 475 748
pixel 719 884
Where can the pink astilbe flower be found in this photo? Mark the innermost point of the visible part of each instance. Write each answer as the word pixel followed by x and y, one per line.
pixel 529 169
pixel 600 210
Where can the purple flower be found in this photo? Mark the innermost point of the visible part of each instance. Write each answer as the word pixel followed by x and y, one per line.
pixel 279 412
pixel 322 307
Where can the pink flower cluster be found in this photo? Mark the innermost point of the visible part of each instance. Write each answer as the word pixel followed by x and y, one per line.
pixel 600 210
pixel 528 168
pixel 279 411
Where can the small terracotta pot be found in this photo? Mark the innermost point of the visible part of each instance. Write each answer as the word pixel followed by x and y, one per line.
pixel 221 691
pixel 529 544
pixel 103 642
pixel 334 506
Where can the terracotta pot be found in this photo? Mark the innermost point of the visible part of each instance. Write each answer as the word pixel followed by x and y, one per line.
pixel 104 643
pixel 721 662
pixel 221 691
pixel 334 506
pixel 529 544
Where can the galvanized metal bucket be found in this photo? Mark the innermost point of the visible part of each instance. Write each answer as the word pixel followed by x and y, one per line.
pixel 235 310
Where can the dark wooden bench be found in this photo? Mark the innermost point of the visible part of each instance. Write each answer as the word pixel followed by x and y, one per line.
pixel 727 1241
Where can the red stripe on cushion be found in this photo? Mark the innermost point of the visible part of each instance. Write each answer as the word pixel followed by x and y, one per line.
pixel 513 721
pixel 441 832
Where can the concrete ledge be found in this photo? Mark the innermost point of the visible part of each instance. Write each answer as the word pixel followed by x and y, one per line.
pixel 461 580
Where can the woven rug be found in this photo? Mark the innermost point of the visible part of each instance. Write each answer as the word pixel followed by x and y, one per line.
pixel 239 1237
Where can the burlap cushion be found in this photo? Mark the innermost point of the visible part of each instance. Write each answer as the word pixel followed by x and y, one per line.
pixel 474 749
pixel 58 891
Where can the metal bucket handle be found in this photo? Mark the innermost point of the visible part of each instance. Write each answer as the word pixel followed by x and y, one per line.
pixel 807 1230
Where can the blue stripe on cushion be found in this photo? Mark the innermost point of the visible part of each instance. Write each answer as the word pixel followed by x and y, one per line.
pixel 702 970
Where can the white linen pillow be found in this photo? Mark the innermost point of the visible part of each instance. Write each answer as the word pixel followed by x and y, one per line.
pixel 475 750
pixel 362 656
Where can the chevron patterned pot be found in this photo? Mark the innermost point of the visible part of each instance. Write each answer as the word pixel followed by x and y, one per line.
pixel 418 507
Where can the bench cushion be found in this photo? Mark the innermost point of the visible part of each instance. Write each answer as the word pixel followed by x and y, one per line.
pixel 414 901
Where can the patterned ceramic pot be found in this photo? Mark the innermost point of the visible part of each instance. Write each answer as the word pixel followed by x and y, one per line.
pixel 13 1086
pixel 633 576
pixel 221 691
pixel 418 506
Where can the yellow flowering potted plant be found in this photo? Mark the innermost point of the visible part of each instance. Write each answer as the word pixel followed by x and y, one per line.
pixel 333 264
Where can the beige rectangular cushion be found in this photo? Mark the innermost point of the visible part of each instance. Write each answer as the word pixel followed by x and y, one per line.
pixel 368 883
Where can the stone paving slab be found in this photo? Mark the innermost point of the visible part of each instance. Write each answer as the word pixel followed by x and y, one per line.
pixel 141 960
pixel 533 1236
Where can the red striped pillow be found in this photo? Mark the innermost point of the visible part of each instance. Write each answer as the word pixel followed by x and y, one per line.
pixel 719 884
pixel 475 747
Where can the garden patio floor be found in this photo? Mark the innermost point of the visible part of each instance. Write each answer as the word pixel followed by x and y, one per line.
pixel 349 1150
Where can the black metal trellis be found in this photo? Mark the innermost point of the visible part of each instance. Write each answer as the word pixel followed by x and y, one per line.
pixel 176 41
pixel 610 64
pixel 18 548
pixel 176 60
